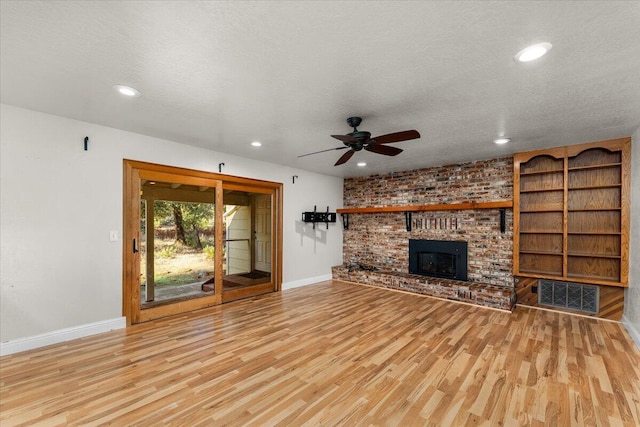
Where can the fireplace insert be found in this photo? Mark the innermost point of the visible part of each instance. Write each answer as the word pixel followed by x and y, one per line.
pixel 438 258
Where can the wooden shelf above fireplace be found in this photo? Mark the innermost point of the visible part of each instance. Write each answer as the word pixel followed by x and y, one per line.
pixel 424 208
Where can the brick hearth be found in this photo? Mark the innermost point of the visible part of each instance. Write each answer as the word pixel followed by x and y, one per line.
pixel 483 294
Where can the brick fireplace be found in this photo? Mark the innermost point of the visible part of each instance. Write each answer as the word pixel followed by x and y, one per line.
pixel 376 245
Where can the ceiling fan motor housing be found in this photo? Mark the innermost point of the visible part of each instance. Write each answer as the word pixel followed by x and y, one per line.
pixel 361 135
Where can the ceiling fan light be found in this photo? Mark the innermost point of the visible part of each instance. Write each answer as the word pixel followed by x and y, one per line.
pixel 362 164
pixel 501 141
pixel 533 52
pixel 256 144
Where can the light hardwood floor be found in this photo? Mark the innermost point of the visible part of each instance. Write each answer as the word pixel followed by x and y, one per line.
pixel 334 354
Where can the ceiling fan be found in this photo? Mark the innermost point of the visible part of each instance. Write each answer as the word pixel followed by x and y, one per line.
pixel 358 140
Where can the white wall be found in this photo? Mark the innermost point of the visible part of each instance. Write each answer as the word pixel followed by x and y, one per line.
pixel 631 318
pixel 58 268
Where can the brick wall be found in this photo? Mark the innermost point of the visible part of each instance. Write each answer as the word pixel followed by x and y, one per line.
pixel 381 239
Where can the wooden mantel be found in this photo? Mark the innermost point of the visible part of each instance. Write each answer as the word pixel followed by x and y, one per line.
pixel 423 208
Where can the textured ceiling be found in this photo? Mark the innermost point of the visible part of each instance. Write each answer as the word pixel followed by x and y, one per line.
pixel 222 74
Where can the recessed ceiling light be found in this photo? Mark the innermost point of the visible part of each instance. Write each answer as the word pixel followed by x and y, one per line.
pixel 127 91
pixel 501 140
pixel 532 52
pixel 362 164
pixel 256 144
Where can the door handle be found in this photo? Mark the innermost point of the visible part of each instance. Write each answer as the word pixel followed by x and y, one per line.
pixel 135 249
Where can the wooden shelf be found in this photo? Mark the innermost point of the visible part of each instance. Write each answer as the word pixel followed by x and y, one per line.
pixel 540 210
pixel 540 232
pixel 537 252
pixel 540 190
pixel 426 208
pixel 584 279
pixel 587 277
pixel 595 233
pixel 593 209
pixel 592 255
pixel 604 165
pixel 593 187
pixel 539 273
pixel 541 172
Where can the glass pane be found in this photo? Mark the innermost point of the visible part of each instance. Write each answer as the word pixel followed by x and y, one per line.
pixel 177 247
pixel 248 240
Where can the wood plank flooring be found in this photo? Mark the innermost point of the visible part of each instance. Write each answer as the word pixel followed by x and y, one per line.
pixel 334 354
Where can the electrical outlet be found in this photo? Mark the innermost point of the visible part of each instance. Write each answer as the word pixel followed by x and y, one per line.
pixel 113 236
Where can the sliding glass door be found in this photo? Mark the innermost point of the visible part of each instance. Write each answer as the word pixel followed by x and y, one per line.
pixel 194 239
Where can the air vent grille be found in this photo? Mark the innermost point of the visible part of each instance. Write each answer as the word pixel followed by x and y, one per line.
pixel 574 296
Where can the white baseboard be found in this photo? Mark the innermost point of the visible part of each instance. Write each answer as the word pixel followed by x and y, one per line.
pixel 61 335
pixel 635 334
pixel 305 282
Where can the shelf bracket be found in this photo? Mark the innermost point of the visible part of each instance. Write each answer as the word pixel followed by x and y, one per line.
pixel 503 220
pixel 345 221
pixel 407 219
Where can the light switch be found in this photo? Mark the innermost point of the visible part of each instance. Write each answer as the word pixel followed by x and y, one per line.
pixel 113 236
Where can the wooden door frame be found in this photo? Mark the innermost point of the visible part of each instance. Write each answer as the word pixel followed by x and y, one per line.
pixel 133 172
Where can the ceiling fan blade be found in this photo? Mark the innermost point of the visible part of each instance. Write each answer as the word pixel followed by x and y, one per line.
pixel 323 151
pixel 396 137
pixel 345 157
pixel 345 138
pixel 383 149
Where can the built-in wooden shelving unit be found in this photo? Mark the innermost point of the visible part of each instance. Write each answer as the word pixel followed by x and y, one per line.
pixel 571 213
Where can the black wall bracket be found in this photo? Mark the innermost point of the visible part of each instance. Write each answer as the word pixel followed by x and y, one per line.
pixel 407 220
pixel 316 216
pixel 345 221
pixel 503 220
pixel 86 143
pixel 220 165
